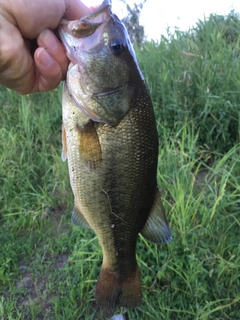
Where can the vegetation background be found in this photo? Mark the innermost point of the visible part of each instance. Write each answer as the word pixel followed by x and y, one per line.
pixel 48 267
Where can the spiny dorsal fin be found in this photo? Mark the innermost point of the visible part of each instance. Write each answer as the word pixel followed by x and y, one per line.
pixel 78 219
pixel 156 228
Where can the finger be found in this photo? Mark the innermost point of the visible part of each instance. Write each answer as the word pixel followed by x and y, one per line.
pixel 16 64
pixel 49 72
pixel 38 15
pixel 54 47
pixel 34 16
pixel 75 9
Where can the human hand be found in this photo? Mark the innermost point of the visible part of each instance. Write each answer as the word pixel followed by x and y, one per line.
pixel 22 24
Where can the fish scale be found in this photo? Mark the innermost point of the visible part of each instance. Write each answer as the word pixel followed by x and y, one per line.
pixel 112 161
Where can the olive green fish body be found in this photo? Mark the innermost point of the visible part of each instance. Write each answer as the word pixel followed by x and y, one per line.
pixel 111 143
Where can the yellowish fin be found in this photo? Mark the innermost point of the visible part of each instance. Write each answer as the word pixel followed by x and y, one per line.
pixel 156 228
pixel 114 289
pixel 90 149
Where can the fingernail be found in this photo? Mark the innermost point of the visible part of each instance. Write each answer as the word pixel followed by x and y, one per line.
pixel 49 39
pixel 44 57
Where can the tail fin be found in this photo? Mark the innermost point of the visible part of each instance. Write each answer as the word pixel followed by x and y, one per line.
pixel 114 289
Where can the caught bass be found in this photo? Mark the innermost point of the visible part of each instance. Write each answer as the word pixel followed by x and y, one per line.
pixel 111 143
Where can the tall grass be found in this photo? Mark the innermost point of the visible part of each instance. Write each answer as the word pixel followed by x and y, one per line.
pixel 194 77
pixel 49 268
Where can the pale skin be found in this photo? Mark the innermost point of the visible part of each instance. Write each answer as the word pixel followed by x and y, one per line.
pixel 23 22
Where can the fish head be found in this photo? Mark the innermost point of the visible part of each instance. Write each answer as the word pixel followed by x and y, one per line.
pixel 103 69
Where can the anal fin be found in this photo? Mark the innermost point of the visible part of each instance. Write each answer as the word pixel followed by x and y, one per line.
pixel 156 228
pixel 78 219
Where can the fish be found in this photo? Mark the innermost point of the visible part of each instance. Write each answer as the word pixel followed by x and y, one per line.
pixel 110 140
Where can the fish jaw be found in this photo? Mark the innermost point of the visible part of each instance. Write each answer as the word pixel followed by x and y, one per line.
pixel 71 31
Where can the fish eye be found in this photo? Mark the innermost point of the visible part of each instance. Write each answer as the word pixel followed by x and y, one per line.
pixel 117 47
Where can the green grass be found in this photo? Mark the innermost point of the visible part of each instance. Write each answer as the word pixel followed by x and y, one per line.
pixel 193 77
pixel 49 268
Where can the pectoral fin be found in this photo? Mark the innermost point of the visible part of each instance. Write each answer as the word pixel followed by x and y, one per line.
pixel 78 219
pixel 90 148
pixel 156 228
